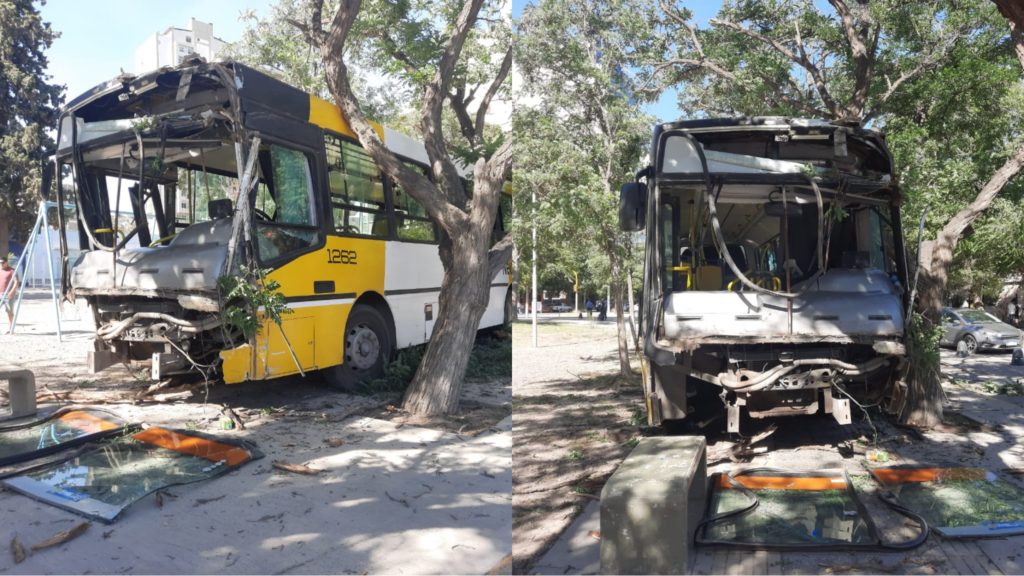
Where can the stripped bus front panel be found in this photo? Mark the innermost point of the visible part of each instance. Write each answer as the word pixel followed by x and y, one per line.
pixel 775 272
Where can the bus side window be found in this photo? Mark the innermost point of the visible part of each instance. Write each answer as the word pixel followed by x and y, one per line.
pixel 292 227
pixel 357 190
pixel 411 218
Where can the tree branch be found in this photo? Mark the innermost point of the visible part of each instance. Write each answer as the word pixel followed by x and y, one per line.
pixel 492 90
pixel 412 181
pixel 863 57
pixel 798 59
pixel 437 90
pixel 397 53
pixel 460 106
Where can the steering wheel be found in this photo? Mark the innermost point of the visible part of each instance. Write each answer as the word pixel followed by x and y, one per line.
pixel 261 215
pixel 351 230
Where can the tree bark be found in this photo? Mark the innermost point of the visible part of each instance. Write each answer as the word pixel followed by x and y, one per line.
pixel 620 325
pixel 5 233
pixel 436 387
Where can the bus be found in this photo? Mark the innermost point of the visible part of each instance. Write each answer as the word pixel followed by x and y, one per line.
pixel 775 273
pixel 188 149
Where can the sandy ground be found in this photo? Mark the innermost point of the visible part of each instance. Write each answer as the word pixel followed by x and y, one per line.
pixel 573 422
pixel 395 494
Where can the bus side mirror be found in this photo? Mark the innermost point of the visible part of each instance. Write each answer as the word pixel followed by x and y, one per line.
pixel 632 206
pixel 47 180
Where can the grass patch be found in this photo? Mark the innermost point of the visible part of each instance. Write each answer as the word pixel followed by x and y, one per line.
pixel 574 455
pixel 398 373
pixel 491 357
pixel 1014 388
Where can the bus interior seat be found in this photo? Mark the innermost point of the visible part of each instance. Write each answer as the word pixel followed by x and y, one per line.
pixel 218 209
pixel 380 226
pixel 708 278
pixel 856 259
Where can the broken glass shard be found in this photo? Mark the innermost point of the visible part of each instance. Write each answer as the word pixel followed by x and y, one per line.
pixel 957 502
pixel 765 509
pixel 60 430
pixel 104 481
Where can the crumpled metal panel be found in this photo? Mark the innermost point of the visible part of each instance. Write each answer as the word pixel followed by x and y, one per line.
pixel 842 303
pixel 191 262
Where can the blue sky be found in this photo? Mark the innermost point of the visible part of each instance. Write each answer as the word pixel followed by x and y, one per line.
pixel 99 37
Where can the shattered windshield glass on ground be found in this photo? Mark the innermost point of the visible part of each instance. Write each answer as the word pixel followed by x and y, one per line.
pixel 103 482
pixel 767 509
pixel 966 502
pixel 62 429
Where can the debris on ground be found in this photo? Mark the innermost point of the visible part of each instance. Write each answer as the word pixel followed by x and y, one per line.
pixel 62 536
pixel 295 468
pixel 17 551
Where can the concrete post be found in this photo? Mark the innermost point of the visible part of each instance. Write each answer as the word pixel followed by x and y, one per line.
pixel 651 505
pixel 21 390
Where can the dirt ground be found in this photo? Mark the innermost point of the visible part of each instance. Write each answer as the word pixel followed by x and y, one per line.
pixel 574 420
pixel 395 493
pixel 565 408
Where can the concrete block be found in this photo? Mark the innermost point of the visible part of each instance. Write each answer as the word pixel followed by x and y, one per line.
pixel 21 390
pixel 651 505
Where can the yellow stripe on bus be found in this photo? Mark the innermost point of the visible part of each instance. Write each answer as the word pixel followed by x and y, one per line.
pixel 326 115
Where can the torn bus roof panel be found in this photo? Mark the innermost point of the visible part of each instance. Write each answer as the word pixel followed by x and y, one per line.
pixel 956 501
pixel 773 509
pixel 57 431
pixel 104 481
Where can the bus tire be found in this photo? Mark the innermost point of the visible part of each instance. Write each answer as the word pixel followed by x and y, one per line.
pixel 368 347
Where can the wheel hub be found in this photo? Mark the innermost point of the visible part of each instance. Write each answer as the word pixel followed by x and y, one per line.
pixel 363 347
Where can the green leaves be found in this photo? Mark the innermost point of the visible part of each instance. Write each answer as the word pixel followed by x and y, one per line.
pixel 249 298
pixel 28 108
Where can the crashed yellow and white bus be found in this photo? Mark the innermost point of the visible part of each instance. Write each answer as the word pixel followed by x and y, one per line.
pixel 215 160
pixel 775 271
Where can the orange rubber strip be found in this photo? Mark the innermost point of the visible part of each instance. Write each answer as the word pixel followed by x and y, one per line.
pixel 814 483
pixel 905 475
pixel 86 422
pixel 194 446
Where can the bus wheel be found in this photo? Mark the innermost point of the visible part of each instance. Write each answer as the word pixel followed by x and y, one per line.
pixel 368 347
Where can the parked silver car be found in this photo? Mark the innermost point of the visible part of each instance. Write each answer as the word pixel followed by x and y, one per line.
pixel 978 330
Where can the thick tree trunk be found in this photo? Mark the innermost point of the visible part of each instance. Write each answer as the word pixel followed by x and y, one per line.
pixel 464 296
pixel 923 406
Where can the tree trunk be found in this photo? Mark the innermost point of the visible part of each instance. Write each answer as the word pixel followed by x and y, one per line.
pixel 923 405
pixel 465 292
pixel 5 233
pixel 516 276
pixel 620 324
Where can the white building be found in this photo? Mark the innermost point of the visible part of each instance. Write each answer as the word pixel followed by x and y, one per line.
pixel 170 47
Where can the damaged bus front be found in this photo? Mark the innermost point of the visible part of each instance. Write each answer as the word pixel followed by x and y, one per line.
pixel 154 164
pixel 775 272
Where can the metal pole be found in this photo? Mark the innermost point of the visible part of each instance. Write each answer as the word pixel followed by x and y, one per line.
pixel 576 294
pixel 533 302
pixel 49 262
pixel 30 248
